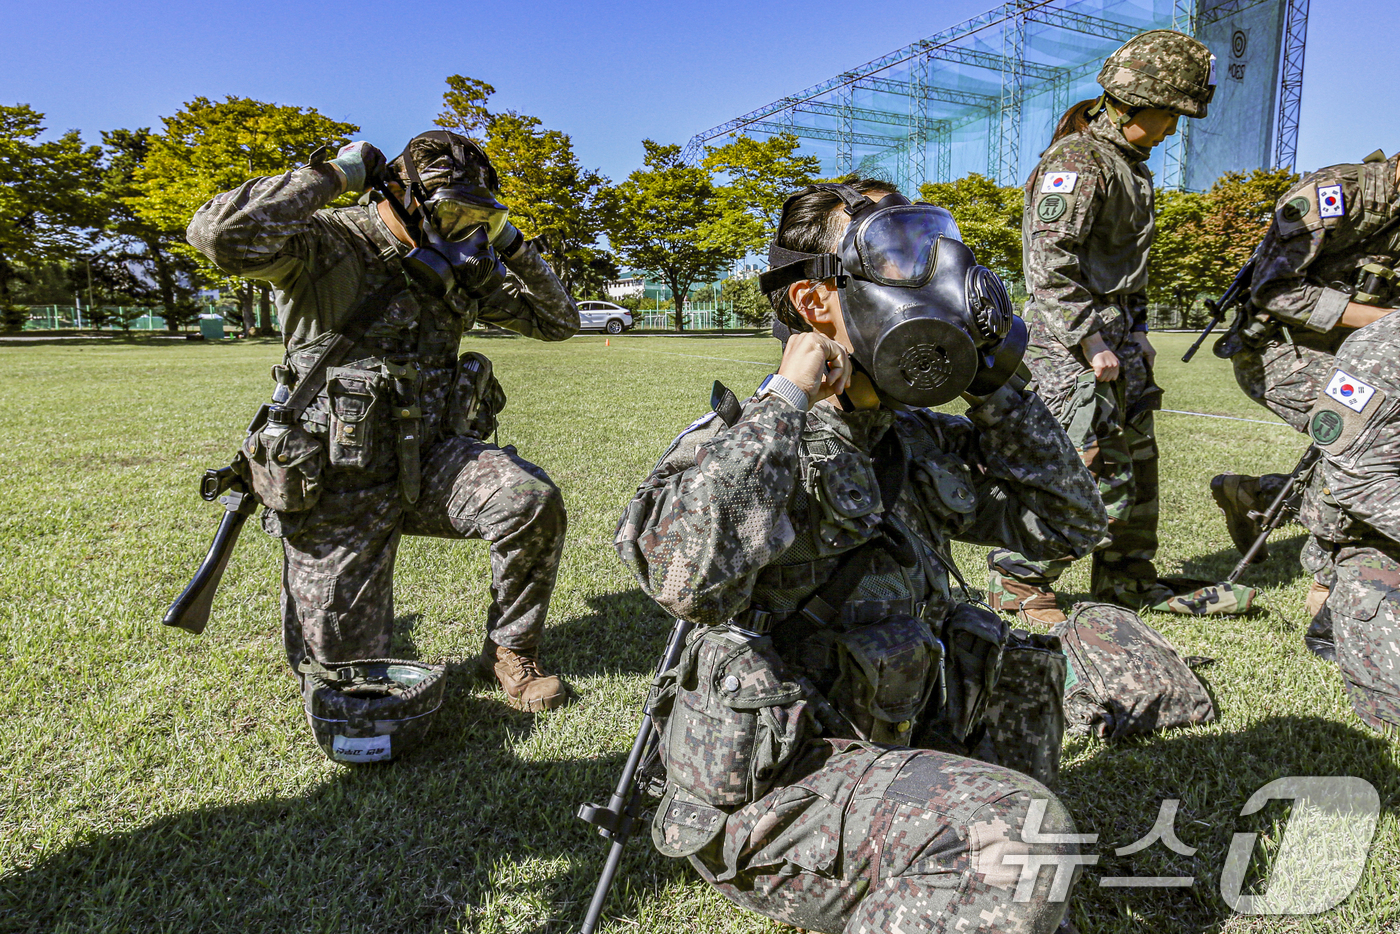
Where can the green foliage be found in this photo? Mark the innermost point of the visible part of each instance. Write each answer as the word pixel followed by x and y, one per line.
pixel 464 107
pixel 50 202
pixel 1203 238
pixel 989 216
pixel 666 220
pixel 551 196
pixel 211 147
pixel 751 306
pixel 758 175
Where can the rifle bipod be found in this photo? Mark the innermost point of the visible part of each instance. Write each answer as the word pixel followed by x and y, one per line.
pixel 616 819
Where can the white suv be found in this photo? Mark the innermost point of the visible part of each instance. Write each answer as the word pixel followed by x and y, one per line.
pixel 604 316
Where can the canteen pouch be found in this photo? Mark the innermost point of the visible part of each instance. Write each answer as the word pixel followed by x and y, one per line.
pixel 733 720
pixel 888 672
pixel 477 398
pixel 283 469
pixel 356 401
pixel 1025 718
pixel 973 637
pixel 1124 678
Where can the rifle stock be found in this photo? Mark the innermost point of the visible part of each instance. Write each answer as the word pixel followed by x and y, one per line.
pixel 190 611
pixel 616 819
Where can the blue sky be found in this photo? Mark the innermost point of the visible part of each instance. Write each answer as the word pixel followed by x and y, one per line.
pixel 608 74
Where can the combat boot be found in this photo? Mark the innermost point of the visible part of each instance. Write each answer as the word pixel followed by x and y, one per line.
pixel 1318 638
pixel 1033 606
pixel 1238 496
pixel 528 687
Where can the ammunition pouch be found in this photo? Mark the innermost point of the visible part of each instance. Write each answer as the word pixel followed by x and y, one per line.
pixel 283 469
pixel 974 637
pixel 477 398
pixel 888 673
pixel 1375 285
pixel 356 434
pixel 730 718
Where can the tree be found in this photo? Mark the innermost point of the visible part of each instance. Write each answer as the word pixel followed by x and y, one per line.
pixel 665 220
pixel 464 107
pixel 750 304
pixel 210 147
pixel 552 197
pixel 760 175
pixel 49 198
pixel 989 216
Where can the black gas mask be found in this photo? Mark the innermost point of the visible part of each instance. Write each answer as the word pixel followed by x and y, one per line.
pixel 926 322
pixel 453 226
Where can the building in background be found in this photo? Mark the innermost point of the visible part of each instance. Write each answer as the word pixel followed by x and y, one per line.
pixel 984 96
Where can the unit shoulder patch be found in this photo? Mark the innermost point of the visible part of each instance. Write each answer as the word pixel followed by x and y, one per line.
pixel 1343 410
pixel 1298 213
pixel 1051 208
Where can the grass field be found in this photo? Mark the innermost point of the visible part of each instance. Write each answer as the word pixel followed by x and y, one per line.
pixel 155 781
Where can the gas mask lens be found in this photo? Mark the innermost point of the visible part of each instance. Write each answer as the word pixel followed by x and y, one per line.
pixel 455 219
pixel 897 246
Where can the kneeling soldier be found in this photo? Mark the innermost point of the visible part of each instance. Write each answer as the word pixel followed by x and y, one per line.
pixel 810 542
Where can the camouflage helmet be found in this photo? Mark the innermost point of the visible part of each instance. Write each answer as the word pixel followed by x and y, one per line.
pixel 371 710
pixel 441 159
pixel 1162 68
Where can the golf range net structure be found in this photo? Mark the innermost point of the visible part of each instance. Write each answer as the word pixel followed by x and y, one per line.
pixel 984 96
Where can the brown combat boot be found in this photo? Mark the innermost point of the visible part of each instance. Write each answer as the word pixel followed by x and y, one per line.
pixel 1318 638
pixel 1238 496
pixel 1317 597
pixel 1033 606
pixel 527 686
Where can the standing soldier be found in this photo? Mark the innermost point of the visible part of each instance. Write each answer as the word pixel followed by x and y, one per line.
pixel 1086 234
pixel 810 543
pixel 1325 267
pixel 1352 505
pixel 393 440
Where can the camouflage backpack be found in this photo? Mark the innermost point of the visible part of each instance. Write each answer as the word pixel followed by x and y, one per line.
pixel 1124 677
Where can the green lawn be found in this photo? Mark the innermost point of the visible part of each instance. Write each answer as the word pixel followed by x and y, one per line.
pixel 151 780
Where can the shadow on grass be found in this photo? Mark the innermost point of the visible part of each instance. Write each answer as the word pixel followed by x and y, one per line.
pixel 622 633
pixel 1281 568
pixel 461 834
pixel 1115 791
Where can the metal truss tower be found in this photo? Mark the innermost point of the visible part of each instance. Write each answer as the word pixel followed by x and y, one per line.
pixel 984 96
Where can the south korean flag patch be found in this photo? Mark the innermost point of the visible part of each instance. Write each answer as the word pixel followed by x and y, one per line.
pixel 1350 391
pixel 1058 183
pixel 1330 203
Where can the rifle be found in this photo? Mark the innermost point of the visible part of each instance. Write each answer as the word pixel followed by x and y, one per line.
pixel 1236 294
pixel 190 611
pixel 616 819
pixel 1283 504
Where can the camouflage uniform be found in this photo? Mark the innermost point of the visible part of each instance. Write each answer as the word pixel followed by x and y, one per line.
pixel 338 565
pixel 752 519
pixel 1352 505
pixel 1086 237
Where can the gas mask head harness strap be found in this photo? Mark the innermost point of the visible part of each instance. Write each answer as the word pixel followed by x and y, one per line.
pixel 925 321
pixel 453 224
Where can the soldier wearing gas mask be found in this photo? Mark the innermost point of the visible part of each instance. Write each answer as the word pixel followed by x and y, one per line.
pixel 1087 231
pixel 807 534
pixel 379 428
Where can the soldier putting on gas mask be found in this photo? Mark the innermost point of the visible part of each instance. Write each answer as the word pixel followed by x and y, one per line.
pixel 379 428
pixel 1325 267
pixel 807 532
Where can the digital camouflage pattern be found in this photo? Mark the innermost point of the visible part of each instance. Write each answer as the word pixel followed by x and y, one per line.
pixel 1125 679
pixel 1352 505
pixel 873 840
pixel 1026 717
pixel 384 706
pixel 1161 68
pixel 395 462
pixel 731 524
pixel 1305 271
pixel 1086 271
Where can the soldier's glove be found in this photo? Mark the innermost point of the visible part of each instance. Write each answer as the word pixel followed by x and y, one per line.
pixel 361 164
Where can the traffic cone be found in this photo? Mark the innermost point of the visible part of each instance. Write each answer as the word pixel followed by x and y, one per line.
pixel 607 342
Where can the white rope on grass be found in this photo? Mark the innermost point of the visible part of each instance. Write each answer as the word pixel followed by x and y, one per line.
pixel 1231 418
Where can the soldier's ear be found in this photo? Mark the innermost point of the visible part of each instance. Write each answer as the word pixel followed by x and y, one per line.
pixel 817 302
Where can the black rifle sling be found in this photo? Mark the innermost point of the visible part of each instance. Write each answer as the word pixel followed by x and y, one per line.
pixel 824 605
pixel 358 321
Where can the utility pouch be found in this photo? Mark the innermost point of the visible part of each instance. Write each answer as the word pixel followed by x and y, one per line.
pixel 847 501
pixel 888 672
pixel 684 824
pixel 1026 716
pixel 734 719
pixel 356 399
pixel 973 637
pixel 1375 285
pixel 283 467
pixel 477 398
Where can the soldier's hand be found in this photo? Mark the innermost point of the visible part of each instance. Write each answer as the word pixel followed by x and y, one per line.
pixel 817 364
pixel 1103 360
pixel 361 164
